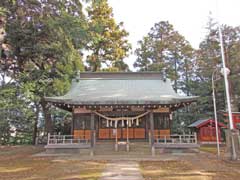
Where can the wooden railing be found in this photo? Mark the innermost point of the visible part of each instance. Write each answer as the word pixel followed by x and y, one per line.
pixel 66 139
pixel 176 139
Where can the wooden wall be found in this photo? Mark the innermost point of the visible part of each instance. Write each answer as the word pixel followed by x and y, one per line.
pixel 82 134
pixel 208 134
pixel 81 127
pixel 133 133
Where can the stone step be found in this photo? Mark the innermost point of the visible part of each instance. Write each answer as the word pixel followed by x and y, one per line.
pixel 108 148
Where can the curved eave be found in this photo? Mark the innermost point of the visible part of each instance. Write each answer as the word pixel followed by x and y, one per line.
pixel 64 100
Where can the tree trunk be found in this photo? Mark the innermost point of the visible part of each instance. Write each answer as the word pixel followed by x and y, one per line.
pixel 187 79
pixel 175 73
pixel 35 128
pixel 47 117
pixel 95 67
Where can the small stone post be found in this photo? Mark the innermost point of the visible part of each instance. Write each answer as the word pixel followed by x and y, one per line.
pixel 149 138
pixel 195 136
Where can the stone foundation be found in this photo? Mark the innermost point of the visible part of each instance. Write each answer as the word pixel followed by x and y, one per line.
pixel 63 151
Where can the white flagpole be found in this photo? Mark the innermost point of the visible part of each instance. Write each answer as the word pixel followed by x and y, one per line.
pixel 234 156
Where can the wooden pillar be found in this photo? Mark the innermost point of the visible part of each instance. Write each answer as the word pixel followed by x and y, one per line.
pixel 116 141
pixel 92 125
pixel 72 124
pixel 127 145
pixel 152 132
pixel 147 132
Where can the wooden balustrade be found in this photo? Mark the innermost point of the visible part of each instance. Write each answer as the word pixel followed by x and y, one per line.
pixel 176 139
pixel 66 139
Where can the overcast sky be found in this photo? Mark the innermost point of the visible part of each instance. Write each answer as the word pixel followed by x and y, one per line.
pixel 189 17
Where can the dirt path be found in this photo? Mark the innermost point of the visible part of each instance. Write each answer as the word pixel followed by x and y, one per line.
pixel 122 170
pixel 17 163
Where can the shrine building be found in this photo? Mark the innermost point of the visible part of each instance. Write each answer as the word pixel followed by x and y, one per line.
pixel 136 106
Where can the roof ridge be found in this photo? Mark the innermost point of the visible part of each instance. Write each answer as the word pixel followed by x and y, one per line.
pixel 121 75
pixel 122 78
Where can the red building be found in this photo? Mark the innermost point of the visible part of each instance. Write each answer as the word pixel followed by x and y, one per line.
pixel 206 131
pixel 236 119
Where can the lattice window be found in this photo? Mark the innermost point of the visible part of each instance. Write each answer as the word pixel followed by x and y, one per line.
pixel 161 121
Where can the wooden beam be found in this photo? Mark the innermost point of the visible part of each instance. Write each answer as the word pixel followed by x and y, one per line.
pixel 162 110
pixel 136 108
pixel 107 109
pixel 81 111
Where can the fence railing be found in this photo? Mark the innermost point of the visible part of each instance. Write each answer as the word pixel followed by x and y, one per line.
pixel 176 139
pixel 66 139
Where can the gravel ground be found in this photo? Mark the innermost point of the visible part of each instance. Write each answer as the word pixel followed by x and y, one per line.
pixel 18 163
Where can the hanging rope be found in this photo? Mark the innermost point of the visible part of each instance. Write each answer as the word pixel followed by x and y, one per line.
pixel 120 118
pixel 114 121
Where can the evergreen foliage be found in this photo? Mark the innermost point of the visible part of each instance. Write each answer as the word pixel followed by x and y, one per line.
pixel 43 44
pixel 108 44
pixel 164 49
pixel 42 47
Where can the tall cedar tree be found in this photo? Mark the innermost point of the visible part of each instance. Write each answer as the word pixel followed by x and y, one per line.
pixel 165 49
pixel 108 44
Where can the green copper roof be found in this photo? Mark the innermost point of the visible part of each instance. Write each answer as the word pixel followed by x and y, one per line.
pixel 121 90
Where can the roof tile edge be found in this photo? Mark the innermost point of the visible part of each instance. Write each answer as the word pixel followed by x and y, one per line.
pixel 121 75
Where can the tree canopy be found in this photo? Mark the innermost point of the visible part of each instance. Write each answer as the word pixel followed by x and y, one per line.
pixel 108 44
pixel 42 48
pixel 164 49
pixel 44 44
